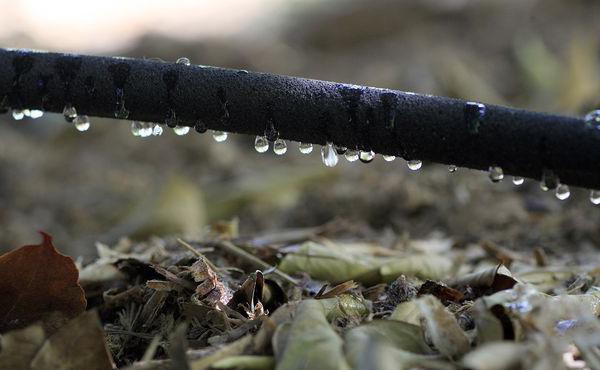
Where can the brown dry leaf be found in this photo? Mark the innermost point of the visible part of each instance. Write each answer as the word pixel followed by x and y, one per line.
pixel 487 281
pixel 35 281
pixel 77 345
pixel 442 292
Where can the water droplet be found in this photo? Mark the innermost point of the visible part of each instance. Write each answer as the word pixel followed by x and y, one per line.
pixel 351 155
pixel 279 147
pixel 35 113
pixel 200 127
pixel 562 191
pixel 69 112
pixel 592 119
pixel 340 149
pixel 261 144
pixel 146 129
pixel 120 111
pixel 184 61
pixel 414 164
pixel 27 112
pixel 473 114
pixel 18 114
pixel 562 326
pixel 496 173
pixel 452 168
pixel 181 130
pixel 82 123
pixel 157 130
pixel 305 148
pixel 136 127
pixel 171 118
pixel 595 196
pixel 366 156
pixel 520 306
pixel 329 155
pixel 389 158
pixel 271 133
pixel 219 136
pixel 517 180
pixel 549 180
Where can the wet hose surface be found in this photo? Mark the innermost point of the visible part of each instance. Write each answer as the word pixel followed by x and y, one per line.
pixel 429 128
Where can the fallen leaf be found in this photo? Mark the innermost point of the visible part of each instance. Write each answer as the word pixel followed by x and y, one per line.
pixel 79 344
pixel 442 292
pixel 485 282
pixel 330 264
pixel 495 356
pixel 384 344
pixel 18 347
pixel 441 326
pixel 312 343
pixel 232 349
pixel 35 281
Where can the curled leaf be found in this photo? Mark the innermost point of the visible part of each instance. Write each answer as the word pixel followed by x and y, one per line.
pixel 485 282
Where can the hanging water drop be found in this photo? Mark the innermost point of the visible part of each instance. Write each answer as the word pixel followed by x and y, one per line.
pixel 200 127
pixel 329 155
pixel 120 111
pixel 389 158
pixel 414 164
pixel 69 112
pixel 261 144
pixel 183 60
pixel 171 118
pixel 351 155
pixel 279 147
pixel 595 196
pixel 473 114
pixel 562 191
pixel 366 156
pixel 18 114
pixel 146 129
pixel 181 130
pixel 271 133
pixel 592 119
pixel 452 168
pixel 340 149
pixel 82 123
pixel 517 180
pixel 496 173
pixel 157 130
pixel 219 136
pixel 35 113
pixel 305 148
pixel 136 127
pixel 549 180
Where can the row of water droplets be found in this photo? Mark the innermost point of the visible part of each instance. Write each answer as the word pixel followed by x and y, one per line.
pixel 81 122
pixel 474 114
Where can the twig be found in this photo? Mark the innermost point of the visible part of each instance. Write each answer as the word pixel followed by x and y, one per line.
pixel 198 253
pixel 254 261
pixel 416 127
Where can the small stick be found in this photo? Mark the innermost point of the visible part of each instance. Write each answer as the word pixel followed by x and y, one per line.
pixel 255 261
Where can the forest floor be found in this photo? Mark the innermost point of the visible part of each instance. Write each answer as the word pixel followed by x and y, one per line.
pixel 309 298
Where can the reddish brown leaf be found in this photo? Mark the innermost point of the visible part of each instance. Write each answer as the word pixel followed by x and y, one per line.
pixel 36 281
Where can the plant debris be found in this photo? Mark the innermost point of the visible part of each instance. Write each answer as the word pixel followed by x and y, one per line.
pixel 318 302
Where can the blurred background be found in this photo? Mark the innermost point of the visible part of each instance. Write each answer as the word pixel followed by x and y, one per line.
pixel 104 184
